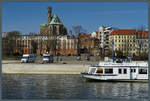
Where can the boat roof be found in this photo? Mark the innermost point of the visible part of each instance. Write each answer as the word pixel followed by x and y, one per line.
pixel 134 63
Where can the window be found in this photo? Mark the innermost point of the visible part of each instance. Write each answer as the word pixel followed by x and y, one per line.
pixel 99 70
pixel 120 71
pixel 92 70
pixel 109 71
pixel 142 71
pixel 133 70
pixel 125 71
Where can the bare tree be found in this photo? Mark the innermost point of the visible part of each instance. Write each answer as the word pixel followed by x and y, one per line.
pixel 78 29
pixel 141 28
pixel 140 37
pixel 40 46
pixel 70 32
pixel 51 44
pixel 11 41
pixel 34 46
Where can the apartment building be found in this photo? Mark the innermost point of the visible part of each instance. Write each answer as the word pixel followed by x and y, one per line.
pixel 103 36
pixel 123 40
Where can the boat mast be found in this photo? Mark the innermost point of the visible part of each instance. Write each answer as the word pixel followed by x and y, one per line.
pixel 113 49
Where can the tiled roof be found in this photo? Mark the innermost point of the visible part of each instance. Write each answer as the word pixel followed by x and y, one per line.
pixel 86 36
pixel 144 34
pixel 123 32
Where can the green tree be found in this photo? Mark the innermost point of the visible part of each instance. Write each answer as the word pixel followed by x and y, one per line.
pixel 119 54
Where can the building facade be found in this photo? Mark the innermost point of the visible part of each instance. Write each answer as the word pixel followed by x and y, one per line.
pixel 67 45
pixel 129 41
pixel 29 44
pixel 142 42
pixel 103 36
pixel 88 45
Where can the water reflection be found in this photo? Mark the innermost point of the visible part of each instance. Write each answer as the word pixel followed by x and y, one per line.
pixel 17 86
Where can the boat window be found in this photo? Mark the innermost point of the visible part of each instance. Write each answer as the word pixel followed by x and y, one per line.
pixel 125 71
pixel 120 71
pixel 92 70
pixel 142 71
pixel 109 71
pixel 134 70
pixel 99 70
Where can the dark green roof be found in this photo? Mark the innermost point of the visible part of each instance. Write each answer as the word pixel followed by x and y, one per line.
pixel 55 20
pixel 43 24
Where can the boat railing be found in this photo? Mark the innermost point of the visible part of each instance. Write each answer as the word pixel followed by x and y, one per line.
pixel 94 65
pixel 99 74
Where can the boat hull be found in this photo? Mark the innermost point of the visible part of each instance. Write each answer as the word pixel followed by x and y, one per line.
pixel 92 77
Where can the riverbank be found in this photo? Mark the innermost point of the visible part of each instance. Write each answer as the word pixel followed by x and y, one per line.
pixel 15 67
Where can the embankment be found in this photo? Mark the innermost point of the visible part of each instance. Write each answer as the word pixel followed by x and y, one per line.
pixel 30 68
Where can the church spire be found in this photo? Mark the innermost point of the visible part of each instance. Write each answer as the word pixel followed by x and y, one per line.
pixel 49 14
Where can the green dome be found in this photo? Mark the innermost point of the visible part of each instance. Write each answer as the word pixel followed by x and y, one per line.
pixel 55 20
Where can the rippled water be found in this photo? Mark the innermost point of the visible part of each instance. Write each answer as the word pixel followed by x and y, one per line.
pixel 19 86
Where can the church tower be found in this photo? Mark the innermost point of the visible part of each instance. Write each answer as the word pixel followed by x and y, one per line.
pixel 49 14
pixel 53 26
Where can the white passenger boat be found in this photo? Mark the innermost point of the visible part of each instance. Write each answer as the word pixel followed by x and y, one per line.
pixel 125 71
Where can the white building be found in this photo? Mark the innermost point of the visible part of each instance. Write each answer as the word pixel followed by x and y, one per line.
pixel 4 34
pixel 94 34
pixel 103 35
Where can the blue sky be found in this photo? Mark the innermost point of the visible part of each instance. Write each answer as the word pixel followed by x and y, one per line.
pixel 27 16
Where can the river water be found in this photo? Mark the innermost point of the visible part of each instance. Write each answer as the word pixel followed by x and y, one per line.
pixel 21 86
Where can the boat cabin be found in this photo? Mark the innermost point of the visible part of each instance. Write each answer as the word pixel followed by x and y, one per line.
pixel 120 70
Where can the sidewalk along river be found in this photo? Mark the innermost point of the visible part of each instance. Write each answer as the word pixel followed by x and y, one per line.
pixel 44 68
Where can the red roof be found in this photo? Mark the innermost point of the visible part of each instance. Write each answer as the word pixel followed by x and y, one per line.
pixel 123 32
pixel 144 34
pixel 86 36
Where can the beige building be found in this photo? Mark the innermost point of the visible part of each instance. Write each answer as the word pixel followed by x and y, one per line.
pixel 123 40
pixel 66 45
pixel 129 41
